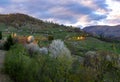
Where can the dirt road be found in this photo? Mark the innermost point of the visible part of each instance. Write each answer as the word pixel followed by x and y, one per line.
pixel 3 77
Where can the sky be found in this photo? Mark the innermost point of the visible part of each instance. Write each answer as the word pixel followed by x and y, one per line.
pixel 78 13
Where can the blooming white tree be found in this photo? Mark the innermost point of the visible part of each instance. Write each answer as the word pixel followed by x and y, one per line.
pixel 61 53
pixel 58 49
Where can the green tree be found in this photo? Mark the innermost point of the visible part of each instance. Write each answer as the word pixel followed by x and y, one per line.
pixel 8 43
pixel 0 35
pixel 50 37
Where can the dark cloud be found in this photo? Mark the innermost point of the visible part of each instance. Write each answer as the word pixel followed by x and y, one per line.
pixel 84 10
pixel 43 8
pixel 101 4
pixel 97 17
pixel 67 18
pixel 79 8
pixel 117 0
pixel 4 3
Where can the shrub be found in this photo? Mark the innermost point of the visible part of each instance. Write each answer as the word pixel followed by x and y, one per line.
pixel 52 70
pixel 18 65
pixel 32 48
pixel 104 63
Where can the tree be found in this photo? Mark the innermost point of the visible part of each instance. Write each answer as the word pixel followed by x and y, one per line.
pixel 50 38
pixel 0 35
pixel 8 43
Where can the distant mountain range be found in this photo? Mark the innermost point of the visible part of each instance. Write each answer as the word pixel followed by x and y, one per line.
pixel 104 31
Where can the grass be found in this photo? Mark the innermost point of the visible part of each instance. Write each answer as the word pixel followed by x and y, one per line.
pixel 2 27
pixel 92 44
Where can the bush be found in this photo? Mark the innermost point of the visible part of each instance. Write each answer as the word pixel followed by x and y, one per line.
pixel 104 63
pixel 52 70
pixel 18 65
pixel 32 48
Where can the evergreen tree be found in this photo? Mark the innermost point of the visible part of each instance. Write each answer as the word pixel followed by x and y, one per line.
pixel 8 43
pixel 0 35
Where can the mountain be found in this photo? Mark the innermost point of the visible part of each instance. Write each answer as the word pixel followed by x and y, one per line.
pixel 104 31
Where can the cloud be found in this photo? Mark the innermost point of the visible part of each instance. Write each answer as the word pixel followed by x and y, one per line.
pixel 19 1
pixel 97 17
pixel 69 12
pixel 117 0
pixel 78 8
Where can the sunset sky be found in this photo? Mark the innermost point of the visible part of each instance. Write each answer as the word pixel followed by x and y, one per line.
pixel 69 12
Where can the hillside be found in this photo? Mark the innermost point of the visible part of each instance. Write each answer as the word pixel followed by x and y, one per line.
pixel 106 32
pixel 18 21
pixel 25 25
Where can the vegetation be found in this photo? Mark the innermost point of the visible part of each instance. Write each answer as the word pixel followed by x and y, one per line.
pixel 67 60
pixel 0 35
pixel 46 68
pixel 96 68
pixel 8 43
pixel 50 38
pixel 58 49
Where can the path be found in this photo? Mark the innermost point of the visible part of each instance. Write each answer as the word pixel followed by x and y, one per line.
pixel 3 77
